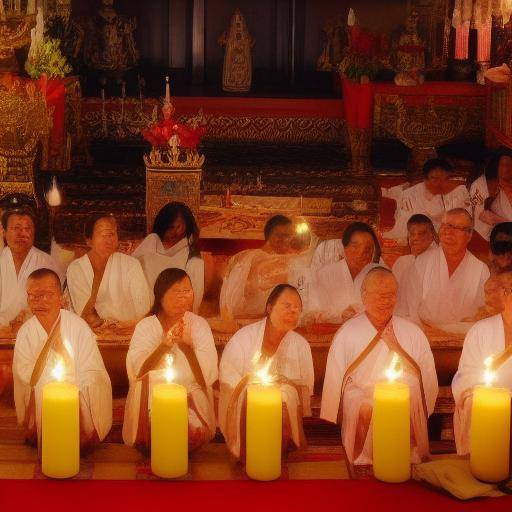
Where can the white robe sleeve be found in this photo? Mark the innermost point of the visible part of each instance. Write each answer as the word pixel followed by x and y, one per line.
pixel 141 346
pixel 428 372
pixel 195 270
pixel 78 286
pixel 22 368
pixel 409 296
pixel 94 383
pixel 205 350
pixel 139 290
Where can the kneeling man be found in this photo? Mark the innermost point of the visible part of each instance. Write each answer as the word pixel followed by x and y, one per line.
pixel 51 335
pixel 359 355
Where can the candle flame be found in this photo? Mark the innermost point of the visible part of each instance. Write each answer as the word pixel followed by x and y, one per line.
pixel 302 228
pixel 394 370
pixel 489 374
pixel 53 196
pixel 169 370
pixel 59 369
pixel 351 20
pixel 263 376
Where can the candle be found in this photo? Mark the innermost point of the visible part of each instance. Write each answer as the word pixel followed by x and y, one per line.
pixel 167 91
pixel 351 20
pixel 169 428
pixel 60 427
pixel 391 428
pixel 490 430
pixel 53 197
pixel 264 428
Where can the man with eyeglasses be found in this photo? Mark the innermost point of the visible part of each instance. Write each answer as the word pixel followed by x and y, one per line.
pixel 17 260
pixel 446 285
pixel 54 335
pixel 488 338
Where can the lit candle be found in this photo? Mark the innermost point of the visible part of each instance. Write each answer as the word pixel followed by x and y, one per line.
pixel 169 427
pixel 167 90
pixel 60 427
pixel 53 197
pixel 490 430
pixel 391 427
pixel 264 428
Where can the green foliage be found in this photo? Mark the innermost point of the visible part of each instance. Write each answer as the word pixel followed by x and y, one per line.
pixel 47 59
pixel 354 66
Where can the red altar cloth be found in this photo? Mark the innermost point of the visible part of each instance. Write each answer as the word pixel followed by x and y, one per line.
pixel 236 496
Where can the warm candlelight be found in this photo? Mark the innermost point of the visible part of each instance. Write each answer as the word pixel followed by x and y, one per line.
pixel 490 429
pixel 169 427
pixel 60 427
pixel 391 427
pixel 264 427
pixel 53 196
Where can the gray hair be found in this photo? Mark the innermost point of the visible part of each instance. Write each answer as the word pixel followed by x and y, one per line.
pixel 461 211
pixel 373 273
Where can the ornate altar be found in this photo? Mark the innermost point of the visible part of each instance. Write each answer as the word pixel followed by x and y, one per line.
pixel 24 122
pixel 15 28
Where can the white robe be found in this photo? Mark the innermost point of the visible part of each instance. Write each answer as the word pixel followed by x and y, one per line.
pixel 348 343
pixel 327 251
pixel 123 294
pixel 417 199
pixel 13 288
pixel 292 360
pixel 154 258
pixel 486 338
pixel 336 290
pixel 479 192
pixel 146 338
pixel 443 301
pixel 501 206
pixel 89 372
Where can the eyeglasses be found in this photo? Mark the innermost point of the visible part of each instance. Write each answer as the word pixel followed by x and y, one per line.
pixel 33 297
pixel 464 229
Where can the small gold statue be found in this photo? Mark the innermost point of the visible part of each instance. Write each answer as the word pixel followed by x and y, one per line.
pixel 335 39
pixel 410 54
pixel 237 70
pixel 109 44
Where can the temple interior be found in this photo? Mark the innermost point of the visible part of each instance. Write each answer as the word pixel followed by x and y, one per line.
pixel 323 111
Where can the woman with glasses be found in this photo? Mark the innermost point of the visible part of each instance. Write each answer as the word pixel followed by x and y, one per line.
pixel 171 337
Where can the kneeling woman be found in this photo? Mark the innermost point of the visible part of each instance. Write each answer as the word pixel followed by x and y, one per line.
pixel 171 329
pixel 271 341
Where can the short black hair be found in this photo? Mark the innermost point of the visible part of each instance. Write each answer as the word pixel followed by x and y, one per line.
pixel 41 273
pixel 278 291
pixel 361 227
pixel 491 169
pixel 165 280
pixel 273 222
pixel 436 163
pixel 168 214
pixel 24 211
pixel 90 222
pixel 501 238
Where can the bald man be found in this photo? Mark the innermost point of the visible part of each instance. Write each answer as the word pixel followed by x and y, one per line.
pixel 489 337
pixel 359 355
pixel 446 285
pixel 53 334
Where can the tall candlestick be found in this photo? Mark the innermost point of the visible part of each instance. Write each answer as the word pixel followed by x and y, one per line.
pixel 60 430
pixel 169 428
pixel 391 429
pixel 167 90
pixel 462 41
pixel 264 432
pixel 490 433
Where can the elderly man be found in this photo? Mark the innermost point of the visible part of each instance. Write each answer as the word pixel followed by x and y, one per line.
pixel 446 285
pixel 17 260
pixel 421 236
pixel 491 337
pixel 54 334
pixel 359 355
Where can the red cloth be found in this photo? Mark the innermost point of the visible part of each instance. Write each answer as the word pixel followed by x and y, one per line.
pixel 55 94
pixel 358 103
pixel 236 496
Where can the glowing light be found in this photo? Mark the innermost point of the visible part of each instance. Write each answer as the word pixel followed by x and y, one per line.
pixel 489 374
pixel 302 228
pixel 169 370
pixel 263 376
pixel 59 369
pixel 53 196
pixel 394 370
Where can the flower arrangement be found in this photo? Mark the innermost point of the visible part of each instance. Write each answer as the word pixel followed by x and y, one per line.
pixel 167 132
pixel 46 58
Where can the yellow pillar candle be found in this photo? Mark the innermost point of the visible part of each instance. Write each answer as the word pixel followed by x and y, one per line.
pixel 391 432
pixel 169 430
pixel 490 433
pixel 264 432
pixel 60 430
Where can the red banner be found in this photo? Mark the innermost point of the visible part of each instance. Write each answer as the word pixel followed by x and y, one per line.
pixel 358 103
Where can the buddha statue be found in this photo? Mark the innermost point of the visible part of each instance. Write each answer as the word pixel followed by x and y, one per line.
pixel 109 44
pixel 410 54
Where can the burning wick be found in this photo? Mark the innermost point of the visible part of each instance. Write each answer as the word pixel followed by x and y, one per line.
pixel 394 370
pixel 169 370
pixel 489 374
pixel 59 369
pixel 263 376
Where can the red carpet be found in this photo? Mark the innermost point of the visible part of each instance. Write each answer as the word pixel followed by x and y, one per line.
pixel 240 496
